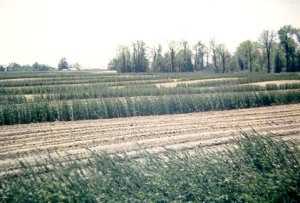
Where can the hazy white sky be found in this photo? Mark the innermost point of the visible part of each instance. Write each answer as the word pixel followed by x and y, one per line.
pixel 89 31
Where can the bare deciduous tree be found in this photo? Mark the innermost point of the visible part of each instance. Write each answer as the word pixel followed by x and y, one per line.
pixel 214 54
pixel 224 55
pixel 173 46
pixel 267 39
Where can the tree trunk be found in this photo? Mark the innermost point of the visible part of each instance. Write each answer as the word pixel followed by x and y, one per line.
pixel 250 62
pixel 287 57
pixel 223 61
pixel 268 61
pixel 172 62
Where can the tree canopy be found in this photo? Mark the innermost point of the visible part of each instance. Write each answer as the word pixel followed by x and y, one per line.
pixel 63 64
pixel 271 52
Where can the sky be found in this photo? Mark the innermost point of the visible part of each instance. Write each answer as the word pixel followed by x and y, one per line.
pixel 90 31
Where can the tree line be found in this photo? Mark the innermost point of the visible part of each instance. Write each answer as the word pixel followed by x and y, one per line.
pixel 34 67
pixel 62 65
pixel 272 52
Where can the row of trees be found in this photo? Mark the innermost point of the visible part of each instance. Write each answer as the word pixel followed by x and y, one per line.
pixel 272 52
pixel 62 65
pixel 34 67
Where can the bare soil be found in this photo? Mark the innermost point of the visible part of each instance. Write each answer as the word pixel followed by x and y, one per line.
pixel 176 82
pixel 20 79
pixel 206 130
pixel 277 82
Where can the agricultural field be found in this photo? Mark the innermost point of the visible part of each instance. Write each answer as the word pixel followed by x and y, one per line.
pixel 55 96
pixel 54 122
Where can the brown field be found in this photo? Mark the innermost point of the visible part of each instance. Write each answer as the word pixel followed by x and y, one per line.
pixel 207 130
pixel 277 82
pixel 176 82
pixel 20 79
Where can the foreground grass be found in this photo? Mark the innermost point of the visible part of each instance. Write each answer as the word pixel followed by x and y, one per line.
pixel 257 169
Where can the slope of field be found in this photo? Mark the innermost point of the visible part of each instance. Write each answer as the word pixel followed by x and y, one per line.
pixel 208 130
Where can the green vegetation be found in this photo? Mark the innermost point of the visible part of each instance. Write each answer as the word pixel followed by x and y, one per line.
pixel 63 64
pixel 257 169
pixel 270 53
pixel 140 106
pixel 41 97
pixel 34 67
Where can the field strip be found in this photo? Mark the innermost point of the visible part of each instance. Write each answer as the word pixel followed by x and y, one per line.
pixel 176 82
pixel 34 128
pixel 276 82
pixel 151 133
pixel 82 137
pixel 134 123
pixel 20 79
pixel 145 141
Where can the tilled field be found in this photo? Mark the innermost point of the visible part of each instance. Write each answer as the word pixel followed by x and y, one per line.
pixel 208 130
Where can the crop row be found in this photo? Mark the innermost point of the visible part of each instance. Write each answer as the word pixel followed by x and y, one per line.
pixel 98 92
pixel 139 106
pixel 111 82
pixel 128 87
pixel 117 80
pixel 90 75
pixel 78 78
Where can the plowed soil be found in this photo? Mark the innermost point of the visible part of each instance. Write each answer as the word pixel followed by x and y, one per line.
pixel 276 82
pixel 207 130
pixel 175 82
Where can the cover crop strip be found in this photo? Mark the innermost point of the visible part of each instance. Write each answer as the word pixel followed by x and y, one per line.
pixel 32 112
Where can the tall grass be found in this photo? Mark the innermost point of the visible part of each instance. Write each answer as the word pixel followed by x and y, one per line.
pixel 257 169
pixel 139 106
pixel 60 93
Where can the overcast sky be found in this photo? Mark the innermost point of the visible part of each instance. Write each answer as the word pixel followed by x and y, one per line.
pixel 89 31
